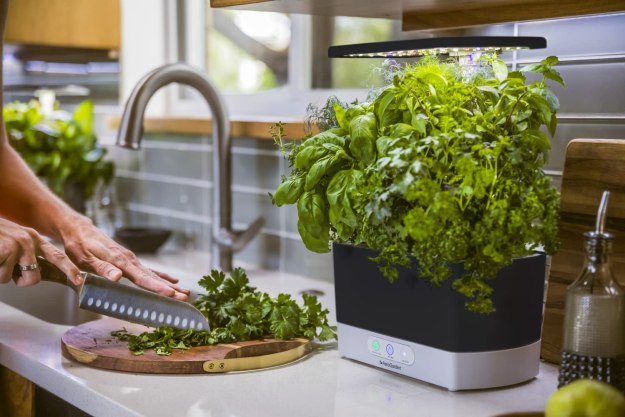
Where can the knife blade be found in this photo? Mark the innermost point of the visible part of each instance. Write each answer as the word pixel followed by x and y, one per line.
pixel 125 302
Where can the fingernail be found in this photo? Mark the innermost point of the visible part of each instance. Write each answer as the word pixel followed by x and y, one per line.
pixel 78 279
pixel 113 275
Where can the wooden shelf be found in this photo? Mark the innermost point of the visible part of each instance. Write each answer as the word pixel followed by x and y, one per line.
pixel 258 128
pixel 433 14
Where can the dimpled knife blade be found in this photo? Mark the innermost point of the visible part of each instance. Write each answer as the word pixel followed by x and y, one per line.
pixel 137 305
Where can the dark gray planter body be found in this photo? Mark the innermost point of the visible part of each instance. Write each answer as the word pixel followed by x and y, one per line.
pixel 413 310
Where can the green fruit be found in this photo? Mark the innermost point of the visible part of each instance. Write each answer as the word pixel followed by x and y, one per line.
pixel 586 398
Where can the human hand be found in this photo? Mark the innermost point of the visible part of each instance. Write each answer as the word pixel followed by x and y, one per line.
pixel 93 251
pixel 20 246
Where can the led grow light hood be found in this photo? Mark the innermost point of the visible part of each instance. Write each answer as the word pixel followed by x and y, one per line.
pixel 452 46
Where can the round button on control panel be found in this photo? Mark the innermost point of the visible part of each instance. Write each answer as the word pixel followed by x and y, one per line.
pixel 375 345
pixel 394 351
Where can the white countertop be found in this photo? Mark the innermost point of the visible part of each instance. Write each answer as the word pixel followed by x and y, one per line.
pixel 323 384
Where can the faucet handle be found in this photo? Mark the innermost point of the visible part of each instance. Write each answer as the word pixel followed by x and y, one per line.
pixel 238 239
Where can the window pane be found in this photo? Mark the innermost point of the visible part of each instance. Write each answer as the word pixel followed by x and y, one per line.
pixel 247 51
pixel 347 72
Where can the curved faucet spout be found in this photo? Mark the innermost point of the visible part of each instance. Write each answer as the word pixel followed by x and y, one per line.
pixel 131 132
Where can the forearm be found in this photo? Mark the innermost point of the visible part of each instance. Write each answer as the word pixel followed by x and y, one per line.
pixel 23 198
pixel 25 201
pixel 31 203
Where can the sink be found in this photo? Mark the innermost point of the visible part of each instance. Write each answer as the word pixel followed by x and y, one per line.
pixel 47 301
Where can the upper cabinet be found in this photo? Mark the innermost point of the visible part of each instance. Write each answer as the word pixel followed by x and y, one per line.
pixel 90 24
pixel 434 14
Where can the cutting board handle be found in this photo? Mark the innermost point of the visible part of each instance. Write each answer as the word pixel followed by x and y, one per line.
pixel 258 362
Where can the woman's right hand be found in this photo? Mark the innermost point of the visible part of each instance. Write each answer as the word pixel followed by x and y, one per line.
pixel 20 246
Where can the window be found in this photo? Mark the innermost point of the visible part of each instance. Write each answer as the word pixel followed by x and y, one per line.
pixel 346 73
pixel 269 64
pixel 245 52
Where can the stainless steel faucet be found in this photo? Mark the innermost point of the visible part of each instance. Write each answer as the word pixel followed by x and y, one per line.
pixel 225 240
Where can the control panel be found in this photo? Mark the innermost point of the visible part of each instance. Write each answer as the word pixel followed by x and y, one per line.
pixel 390 350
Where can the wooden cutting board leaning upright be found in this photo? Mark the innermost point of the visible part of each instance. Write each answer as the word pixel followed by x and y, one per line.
pixel 590 167
pixel 91 343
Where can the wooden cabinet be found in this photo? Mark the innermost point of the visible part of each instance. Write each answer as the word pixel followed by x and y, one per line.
pixel 16 394
pixel 91 24
pixel 434 14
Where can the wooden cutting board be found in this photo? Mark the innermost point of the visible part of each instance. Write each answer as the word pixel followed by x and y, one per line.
pixel 91 343
pixel 590 167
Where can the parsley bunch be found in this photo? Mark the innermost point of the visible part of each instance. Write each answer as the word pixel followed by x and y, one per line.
pixel 237 312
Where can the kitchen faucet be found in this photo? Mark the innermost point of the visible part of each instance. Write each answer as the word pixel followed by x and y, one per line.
pixel 225 240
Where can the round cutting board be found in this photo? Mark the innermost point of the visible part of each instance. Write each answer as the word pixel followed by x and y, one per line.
pixel 92 344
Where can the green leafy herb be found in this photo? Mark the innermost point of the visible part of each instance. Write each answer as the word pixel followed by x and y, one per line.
pixel 236 312
pixel 441 165
pixel 59 147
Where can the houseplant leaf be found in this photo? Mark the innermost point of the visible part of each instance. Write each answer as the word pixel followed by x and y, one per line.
pixel 363 131
pixel 83 116
pixel 59 147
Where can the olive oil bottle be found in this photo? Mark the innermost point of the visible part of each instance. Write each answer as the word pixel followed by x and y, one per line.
pixel 594 320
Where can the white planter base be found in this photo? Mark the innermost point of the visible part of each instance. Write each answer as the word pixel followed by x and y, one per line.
pixel 452 370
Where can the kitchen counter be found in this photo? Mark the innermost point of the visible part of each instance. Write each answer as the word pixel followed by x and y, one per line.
pixel 322 384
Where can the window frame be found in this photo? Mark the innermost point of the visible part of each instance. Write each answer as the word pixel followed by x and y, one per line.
pixel 288 102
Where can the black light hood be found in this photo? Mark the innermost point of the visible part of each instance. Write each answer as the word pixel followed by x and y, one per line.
pixel 434 46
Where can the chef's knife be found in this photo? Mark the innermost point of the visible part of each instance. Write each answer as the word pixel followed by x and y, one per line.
pixel 125 302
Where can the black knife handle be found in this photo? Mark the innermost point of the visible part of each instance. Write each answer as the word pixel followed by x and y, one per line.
pixel 49 272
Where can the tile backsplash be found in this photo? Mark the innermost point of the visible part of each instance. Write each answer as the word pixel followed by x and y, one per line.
pixel 168 182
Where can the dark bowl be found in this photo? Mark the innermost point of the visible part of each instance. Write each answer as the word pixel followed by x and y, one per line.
pixel 142 239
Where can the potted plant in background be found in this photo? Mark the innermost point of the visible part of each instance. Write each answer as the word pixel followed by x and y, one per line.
pixel 437 178
pixel 60 147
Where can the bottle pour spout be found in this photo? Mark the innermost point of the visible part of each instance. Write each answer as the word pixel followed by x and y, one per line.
pixel 602 213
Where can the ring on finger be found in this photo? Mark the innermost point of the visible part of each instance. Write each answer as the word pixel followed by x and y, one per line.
pixel 30 267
